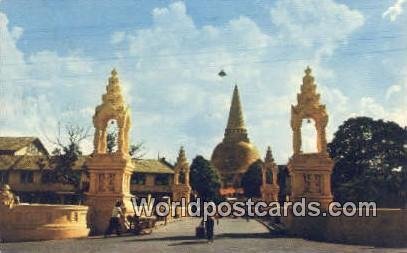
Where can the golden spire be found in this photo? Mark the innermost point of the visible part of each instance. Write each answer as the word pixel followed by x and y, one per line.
pixel 309 106
pixel 181 156
pixel 269 156
pixel 235 130
pixel 113 107
pixel 113 93
pixel 235 120
pixel 308 79
pixel 308 95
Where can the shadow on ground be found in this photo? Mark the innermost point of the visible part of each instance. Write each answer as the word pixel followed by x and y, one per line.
pixel 193 240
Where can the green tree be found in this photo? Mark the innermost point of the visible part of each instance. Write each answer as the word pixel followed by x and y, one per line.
pixel 370 162
pixel 65 155
pixel 136 151
pixel 63 160
pixel 205 179
pixel 252 180
pixel 111 142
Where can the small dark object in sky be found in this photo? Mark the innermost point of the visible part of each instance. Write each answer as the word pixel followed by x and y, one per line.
pixel 222 73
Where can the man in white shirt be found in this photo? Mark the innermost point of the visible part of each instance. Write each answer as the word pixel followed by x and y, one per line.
pixel 114 223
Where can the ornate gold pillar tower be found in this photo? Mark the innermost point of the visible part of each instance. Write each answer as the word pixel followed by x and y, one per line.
pixel 109 173
pixel 310 173
pixel 181 188
pixel 269 188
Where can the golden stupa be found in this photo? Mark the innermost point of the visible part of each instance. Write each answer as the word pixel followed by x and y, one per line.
pixel 235 153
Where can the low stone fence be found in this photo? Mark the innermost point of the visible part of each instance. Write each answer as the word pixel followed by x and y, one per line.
pixel 387 229
pixel 43 222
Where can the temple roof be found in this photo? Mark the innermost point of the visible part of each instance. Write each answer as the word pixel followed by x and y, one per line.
pixel 32 162
pixel 10 145
pixel 25 162
pixel 152 166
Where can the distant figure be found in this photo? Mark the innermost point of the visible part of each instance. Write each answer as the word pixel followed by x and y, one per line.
pixel 114 223
pixel 210 223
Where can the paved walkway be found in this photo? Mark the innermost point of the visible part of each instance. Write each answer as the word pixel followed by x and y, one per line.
pixel 232 235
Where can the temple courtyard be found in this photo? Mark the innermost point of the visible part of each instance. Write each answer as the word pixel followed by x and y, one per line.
pixel 231 235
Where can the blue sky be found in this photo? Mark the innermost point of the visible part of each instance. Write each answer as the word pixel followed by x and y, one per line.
pixel 56 57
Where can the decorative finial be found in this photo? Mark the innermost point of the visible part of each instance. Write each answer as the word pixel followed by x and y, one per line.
pixel 114 72
pixel 308 71
pixel 181 155
pixel 269 155
pixel 114 79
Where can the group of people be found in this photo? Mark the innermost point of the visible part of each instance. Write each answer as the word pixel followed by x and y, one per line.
pixel 115 222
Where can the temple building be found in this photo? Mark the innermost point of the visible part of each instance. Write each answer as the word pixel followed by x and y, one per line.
pixel 27 174
pixel 22 146
pixel 233 156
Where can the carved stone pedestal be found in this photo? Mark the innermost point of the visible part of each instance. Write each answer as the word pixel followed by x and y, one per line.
pixel 311 177
pixel 181 191
pixel 109 182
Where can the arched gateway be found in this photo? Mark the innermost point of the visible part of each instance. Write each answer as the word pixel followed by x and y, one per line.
pixel 109 173
pixel 310 173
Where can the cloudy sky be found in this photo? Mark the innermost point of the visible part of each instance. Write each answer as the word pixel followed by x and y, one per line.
pixel 55 58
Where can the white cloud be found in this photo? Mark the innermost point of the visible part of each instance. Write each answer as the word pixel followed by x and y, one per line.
pixel 314 23
pixel 170 75
pixel 177 62
pixel 394 11
pixel 117 37
pixel 41 89
pixel 392 90
pixel 369 106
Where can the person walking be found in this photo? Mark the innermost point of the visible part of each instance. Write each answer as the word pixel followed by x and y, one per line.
pixel 114 223
pixel 210 223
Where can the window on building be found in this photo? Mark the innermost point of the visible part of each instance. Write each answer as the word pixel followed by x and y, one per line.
pixel 162 179
pixel 138 178
pixel 26 177
pixel 3 177
pixel 47 177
